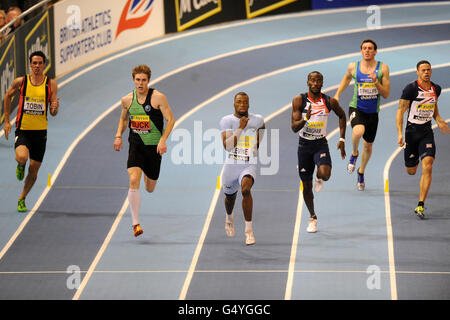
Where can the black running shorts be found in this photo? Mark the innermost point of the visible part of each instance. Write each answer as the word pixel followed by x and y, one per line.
pixel 419 144
pixel 146 158
pixel 310 154
pixel 34 140
pixel 368 120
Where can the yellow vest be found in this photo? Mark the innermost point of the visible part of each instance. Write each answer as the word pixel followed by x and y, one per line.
pixel 33 103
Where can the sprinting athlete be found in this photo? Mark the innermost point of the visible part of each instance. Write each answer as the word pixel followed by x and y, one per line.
pixel 144 111
pixel 420 99
pixel 37 92
pixel 240 136
pixel 310 113
pixel 371 81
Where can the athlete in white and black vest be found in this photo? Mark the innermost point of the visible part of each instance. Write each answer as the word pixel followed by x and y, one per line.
pixel 310 113
pixel 420 99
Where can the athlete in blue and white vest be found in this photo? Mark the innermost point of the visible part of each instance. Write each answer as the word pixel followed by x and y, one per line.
pixel 420 99
pixel 241 134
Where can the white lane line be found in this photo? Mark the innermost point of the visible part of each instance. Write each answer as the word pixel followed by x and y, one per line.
pixel 221 271
pixel 100 252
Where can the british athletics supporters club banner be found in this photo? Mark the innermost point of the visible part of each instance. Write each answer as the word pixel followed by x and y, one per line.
pixel 84 33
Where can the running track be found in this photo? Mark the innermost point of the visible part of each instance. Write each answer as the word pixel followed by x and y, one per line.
pixel 184 252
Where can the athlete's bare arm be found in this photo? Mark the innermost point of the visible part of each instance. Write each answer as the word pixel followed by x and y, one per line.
pixel 403 105
pixel 334 104
pixel 54 100
pixel 443 126
pixel 9 95
pixel 125 103
pixel 384 88
pixel 230 138
pixel 297 122
pixel 345 80
pixel 160 102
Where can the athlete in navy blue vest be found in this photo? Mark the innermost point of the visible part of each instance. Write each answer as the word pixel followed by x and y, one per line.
pixel 310 113
pixel 420 99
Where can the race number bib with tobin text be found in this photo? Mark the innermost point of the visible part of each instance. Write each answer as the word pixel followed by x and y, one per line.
pixel 140 124
pixel 34 107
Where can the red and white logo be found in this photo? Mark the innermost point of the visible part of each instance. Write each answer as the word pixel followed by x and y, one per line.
pixel 134 15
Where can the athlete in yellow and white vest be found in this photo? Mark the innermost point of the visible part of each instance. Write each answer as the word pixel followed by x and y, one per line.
pixel 37 92
pixel 241 135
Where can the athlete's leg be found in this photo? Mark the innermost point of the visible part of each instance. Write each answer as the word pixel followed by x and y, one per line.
pixel 230 199
pixel 425 180
pixel 22 154
pixel 134 196
pixel 358 132
pixel 247 200
pixel 150 184
pixel 324 172
pixel 412 170
pixel 31 177
pixel 308 197
pixel 366 154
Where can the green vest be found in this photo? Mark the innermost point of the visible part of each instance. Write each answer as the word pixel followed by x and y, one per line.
pixel 141 123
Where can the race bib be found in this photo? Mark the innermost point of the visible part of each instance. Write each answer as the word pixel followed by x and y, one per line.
pixel 367 90
pixel 424 112
pixel 35 108
pixel 243 149
pixel 140 124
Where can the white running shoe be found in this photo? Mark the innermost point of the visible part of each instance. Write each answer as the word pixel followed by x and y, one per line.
pixel 352 164
pixel 249 237
pixel 229 225
pixel 312 225
pixel 318 184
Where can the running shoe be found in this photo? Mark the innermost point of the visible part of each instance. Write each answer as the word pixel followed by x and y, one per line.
pixel 249 237
pixel 318 184
pixel 312 225
pixel 20 172
pixel 352 164
pixel 229 225
pixel 21 207
pixel 137 230
pixel 360 184
pixel 419 212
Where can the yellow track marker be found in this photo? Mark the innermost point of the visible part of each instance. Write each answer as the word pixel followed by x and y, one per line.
pixel 49 180
pixel 218 183
pixel 386 186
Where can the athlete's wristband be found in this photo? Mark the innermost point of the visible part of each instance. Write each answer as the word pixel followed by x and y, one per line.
pixel 118 137
pixel 342 139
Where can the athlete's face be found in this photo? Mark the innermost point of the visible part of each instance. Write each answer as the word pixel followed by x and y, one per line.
pixel 37 65
pixel 424 72
pixel 141 81
pixel 241 105
pixel 315 83
pixel 368 51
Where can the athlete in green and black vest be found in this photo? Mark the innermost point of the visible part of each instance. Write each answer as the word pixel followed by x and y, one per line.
pixel 371 80
pixel 143 111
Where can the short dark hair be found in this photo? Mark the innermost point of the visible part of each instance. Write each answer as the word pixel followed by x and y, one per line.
pixel 422 62
pixel 309 74
pixel 242 93
pixel 370 41
pixel 142 68
pixel 39 54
